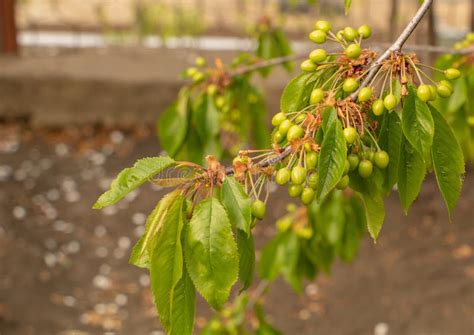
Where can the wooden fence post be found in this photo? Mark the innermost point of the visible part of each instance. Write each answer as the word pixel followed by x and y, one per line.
pixel 8 41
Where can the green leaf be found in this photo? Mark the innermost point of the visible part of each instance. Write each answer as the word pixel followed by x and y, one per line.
pixel 352 230
pixel 211 252
pixel 166 263
pixel 417 124
pixel 331 218
pixel 459 96
pixel 272 258
pixel 296 93
pixel 347 6
pixel 372 198
pixel 206 119
pixel 237 204
pixel 184 306
pixel 332 159
pixel 329 116
pixel 280 256
pixel 412 172
pixel 257 121
pixel 390 140
pixel 246 246
pixel 173 124
pixel 284 47
pixel 144 247
pixel 448 161
pixel 264 50
pixel 130 178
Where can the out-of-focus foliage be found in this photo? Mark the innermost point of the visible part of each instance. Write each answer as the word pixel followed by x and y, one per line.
pixel 459 108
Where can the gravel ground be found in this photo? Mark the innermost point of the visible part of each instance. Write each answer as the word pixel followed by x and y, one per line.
pixel 64 270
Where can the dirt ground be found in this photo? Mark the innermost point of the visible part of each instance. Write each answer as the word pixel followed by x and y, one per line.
pixel 64 270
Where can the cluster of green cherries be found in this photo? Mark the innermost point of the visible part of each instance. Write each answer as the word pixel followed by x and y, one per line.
pixel 350 39
pixel 468 42
pixel 444 89
pixel 196 73
pixel 302 173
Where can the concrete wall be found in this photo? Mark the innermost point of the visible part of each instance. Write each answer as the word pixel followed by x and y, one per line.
pixel 109 86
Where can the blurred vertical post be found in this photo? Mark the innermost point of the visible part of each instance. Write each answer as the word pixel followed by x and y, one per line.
pixel 472 15
pixel 8 42
pixel 394 5
pixel 432 38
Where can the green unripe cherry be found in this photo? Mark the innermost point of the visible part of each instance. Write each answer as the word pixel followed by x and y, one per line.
pixel 369 155
pixel 424 93
pixel 284 224
pixel 313 180
pixel 278 118
pixel 350 85
pixel 353 161
pixel 350 34
pixel 347 166
pixel 353 51
pixel 295 190
pixel 318 36
pixel 295 132
pixel 365 31
pixel 190 72
pixel 390 102
pixel 300 118
pixel 365 94
pixel 200 61
pixel 444 91
pixel 365 169
pixel 434 92
pixel 304 233
pixel 212 90
pixel 298 175
pixel 198 76
pixel 282 176
pixel 308 66
pixel 220 102
pixel 343 183
pixel 311 160
pixel 317 95
pixel 381 159
pixel 318 56
pixel 259 209
pixel 350 134
pixel 378 107
pixel 452 74
pixel 447 84
pixel 323 25
pixel 277 137
pixel 307 196
pixel 285 126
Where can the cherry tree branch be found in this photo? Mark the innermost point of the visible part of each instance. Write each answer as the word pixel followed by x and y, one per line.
pixel 395 47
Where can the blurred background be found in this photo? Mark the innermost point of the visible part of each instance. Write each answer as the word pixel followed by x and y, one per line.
pixel 82 83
